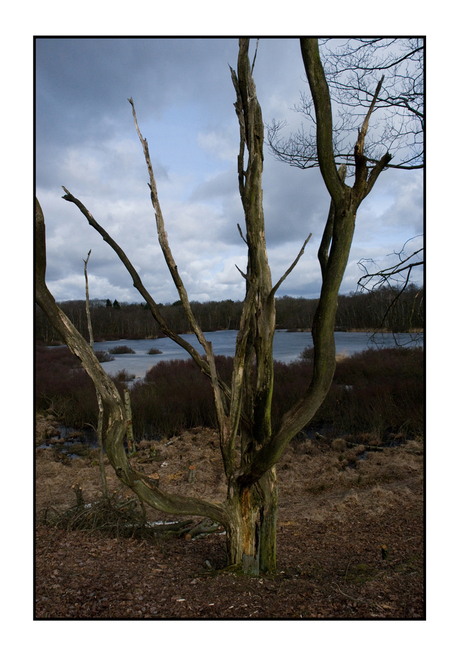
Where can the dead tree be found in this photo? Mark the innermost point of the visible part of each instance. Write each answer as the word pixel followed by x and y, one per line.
pixel 100 415
pixel 249 446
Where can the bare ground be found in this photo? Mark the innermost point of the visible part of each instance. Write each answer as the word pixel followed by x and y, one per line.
pixel 336 511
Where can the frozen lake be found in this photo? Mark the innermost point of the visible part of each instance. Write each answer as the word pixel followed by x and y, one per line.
pixel 287 347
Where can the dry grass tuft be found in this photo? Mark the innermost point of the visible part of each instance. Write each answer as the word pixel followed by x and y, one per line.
pixel 45 428
pixel 339 444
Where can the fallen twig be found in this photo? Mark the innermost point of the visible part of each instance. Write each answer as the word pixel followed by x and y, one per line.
pixel 351 597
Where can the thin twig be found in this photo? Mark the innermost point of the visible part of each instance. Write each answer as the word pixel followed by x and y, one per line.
pixel 241 233
pixel 289 270
pixel 255 55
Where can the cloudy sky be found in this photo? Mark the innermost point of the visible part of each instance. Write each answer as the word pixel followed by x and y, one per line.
pixel 183 94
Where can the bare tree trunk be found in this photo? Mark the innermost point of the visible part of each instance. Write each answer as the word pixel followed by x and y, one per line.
pixel 100 415
pixel 251 535
pixel 254 497
pixel 129 421
pixel 100 444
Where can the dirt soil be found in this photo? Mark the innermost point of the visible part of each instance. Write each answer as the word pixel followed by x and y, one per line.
pixel 336 512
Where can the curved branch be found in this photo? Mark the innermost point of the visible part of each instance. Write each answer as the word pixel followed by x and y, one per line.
pixel 291 267
pixel 323 251
pixel 324 130
pixel 163 239
pixel 387 274
pixel 137 283
pixel 114 408
pixel 175 504
pixel 172 267
pixel 77 344
pixel 351 71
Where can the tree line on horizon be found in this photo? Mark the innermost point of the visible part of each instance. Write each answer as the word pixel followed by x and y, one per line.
pixel 113 320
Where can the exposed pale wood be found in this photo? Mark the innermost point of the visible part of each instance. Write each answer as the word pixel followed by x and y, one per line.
pixel 129 423
pixel 100 404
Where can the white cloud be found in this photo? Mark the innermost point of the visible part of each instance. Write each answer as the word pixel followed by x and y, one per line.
pixel 221 143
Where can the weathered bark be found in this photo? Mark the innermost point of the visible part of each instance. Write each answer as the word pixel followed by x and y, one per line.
pixel 115 426
pixel 129 423
pixel 100 415
pixel 251 534
pixel 333 255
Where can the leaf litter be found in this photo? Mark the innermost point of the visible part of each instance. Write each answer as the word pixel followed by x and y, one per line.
pixel 333 521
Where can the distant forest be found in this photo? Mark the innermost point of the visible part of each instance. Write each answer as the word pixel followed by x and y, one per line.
pixel 113 320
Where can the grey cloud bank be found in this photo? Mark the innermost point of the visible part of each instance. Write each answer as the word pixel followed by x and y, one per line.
pixel 86 141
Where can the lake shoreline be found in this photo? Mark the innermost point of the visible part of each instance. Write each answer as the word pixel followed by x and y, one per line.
pixel 56 343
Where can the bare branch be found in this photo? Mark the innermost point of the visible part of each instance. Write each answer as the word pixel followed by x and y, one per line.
pixel 255 55
pixel 398 274
pixel 241 233
pixel 323 251
pixel 289 270
pixel 100 403
pixel 363 131
pixel 113 404
pixel 353 71
pixel 245 276
pixel 88 314
pixel 324 131
pixel 139 285
pixel 163 240
pixel 390 272
pixel 216 383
